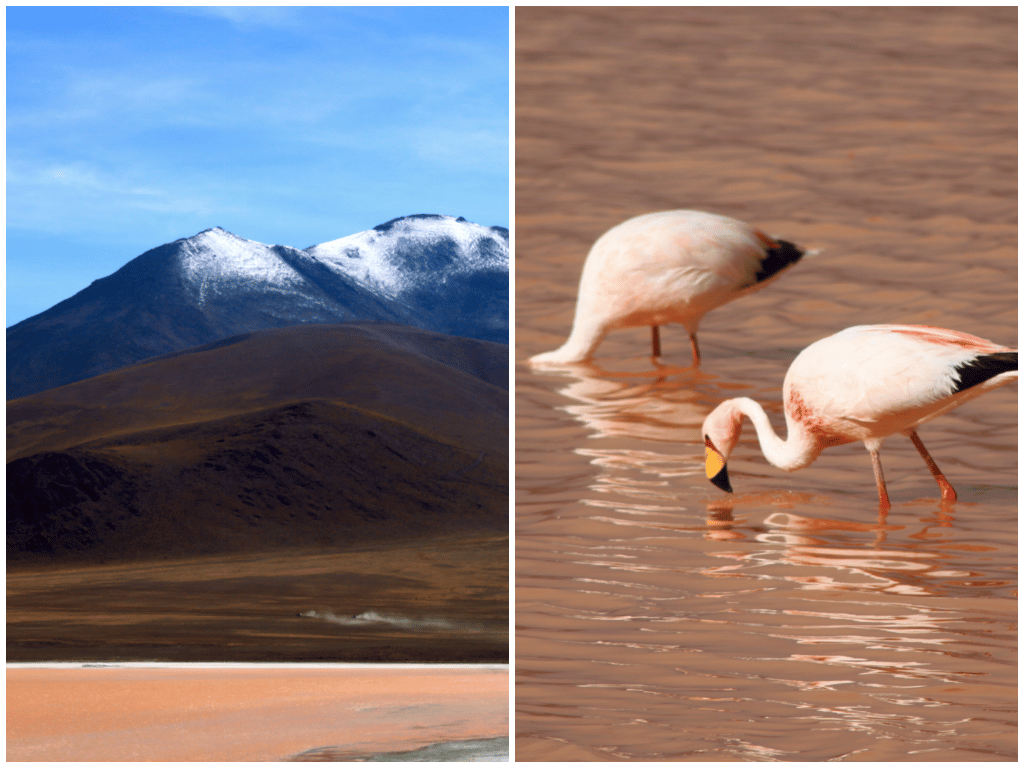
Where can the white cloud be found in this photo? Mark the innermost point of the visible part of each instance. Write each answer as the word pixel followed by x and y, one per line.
pixel 245 17
pixel 300 129
pixel 44 197
pixel 106 99
pixel 480 149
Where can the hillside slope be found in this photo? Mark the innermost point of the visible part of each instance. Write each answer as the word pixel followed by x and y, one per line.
pixel 301 436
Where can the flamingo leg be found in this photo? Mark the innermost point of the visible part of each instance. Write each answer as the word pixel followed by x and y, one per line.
pixel 883 495
pixel 696 350
pixel 655 341
pixel 948 494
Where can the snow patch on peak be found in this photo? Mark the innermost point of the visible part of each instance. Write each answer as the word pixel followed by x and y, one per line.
pixel 406 259
pixel 216 262
pixel 218 235
pixel 406 252
pixel 387 225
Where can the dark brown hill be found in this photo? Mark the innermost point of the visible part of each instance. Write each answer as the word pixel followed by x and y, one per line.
pixel 301 436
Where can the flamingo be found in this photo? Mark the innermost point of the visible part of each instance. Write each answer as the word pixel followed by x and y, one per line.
pixel 673 266
pixel 864 383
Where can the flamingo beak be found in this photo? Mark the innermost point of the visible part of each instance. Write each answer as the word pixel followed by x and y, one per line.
pixel 714 466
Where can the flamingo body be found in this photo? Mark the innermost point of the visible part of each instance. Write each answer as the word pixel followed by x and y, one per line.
pixel 672 266
pixel 864 383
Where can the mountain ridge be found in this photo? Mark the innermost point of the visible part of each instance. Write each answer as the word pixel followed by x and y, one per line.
pixel 429 271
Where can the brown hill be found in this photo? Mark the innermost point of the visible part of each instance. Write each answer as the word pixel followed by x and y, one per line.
pixel 304 436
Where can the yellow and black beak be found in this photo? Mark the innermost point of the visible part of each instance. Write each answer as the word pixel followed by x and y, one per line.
pixel 714 466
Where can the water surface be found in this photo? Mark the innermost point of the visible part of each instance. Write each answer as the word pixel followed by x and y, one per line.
pixel 658 618
pixel 463 751
pixel 256 713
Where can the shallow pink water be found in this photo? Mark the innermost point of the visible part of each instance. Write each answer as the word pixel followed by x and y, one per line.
pixel 657 618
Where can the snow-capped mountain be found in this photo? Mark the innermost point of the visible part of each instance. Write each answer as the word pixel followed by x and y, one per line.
pixel 408 254
pixel 433 272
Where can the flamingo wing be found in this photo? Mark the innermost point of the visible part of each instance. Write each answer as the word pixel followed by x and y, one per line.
pixel 873 381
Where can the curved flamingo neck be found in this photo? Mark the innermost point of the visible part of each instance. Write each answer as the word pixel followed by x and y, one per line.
pixel 584 338
pixel 795 452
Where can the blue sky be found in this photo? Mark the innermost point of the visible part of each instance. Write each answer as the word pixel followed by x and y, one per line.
pixel 131 127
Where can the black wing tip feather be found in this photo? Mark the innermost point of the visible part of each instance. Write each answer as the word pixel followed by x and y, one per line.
pixel 778 259
pixel 982 368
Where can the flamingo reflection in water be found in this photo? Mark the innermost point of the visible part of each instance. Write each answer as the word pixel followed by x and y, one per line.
pixel 657 410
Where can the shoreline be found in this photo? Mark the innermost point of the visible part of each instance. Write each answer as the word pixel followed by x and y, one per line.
pixel 245 713
pixel 463 751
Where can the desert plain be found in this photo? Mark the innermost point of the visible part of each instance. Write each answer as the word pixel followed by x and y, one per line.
pixel 433 600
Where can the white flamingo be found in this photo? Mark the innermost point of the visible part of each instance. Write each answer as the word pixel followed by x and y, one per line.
pixel 673 266
pixel 864 383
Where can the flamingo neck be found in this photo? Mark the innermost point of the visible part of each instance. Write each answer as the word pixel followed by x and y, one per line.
pixel 795 452
pixel 583 340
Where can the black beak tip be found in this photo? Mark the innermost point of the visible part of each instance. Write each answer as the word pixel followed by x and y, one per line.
pixel 721 480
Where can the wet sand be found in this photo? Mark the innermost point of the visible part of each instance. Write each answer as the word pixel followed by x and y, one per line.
pixel 438 600
pixel 658 618
pixel 247 714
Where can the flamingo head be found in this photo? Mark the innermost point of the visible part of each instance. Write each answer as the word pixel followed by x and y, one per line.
pixel 721 432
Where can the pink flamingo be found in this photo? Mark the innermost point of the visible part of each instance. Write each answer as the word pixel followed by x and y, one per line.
pixel 864 383
pixel 673 266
